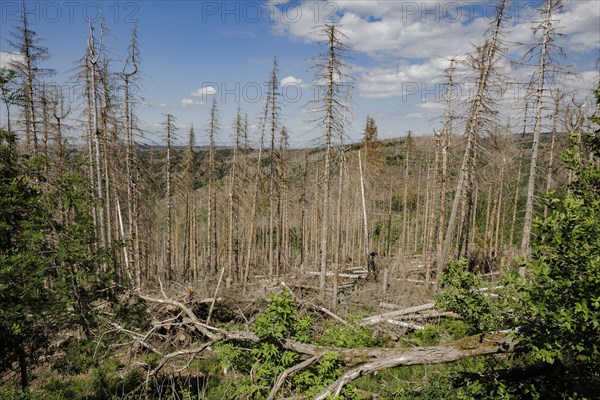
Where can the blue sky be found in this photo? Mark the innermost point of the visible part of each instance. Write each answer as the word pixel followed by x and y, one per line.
pixel 400 51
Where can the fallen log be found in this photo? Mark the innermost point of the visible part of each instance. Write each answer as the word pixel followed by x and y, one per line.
pixel 404 324
pixel 382 317
pixel 340 275
pixel 429 315
pixel 493 343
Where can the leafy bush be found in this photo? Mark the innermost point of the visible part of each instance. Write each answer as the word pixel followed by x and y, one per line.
pixel 562 323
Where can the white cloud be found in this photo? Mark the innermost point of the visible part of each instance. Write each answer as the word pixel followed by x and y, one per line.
pixel 407 30
pixel 291 81
pixel 402 80
pixel 146 104
pixel 190 102
pixel 580 21
pixel 389 28
pixel 583 82
pixel 204 91
pixel 6 58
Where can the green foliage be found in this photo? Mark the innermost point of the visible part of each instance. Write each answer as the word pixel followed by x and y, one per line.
pixel 484 306
pixel 264 361
pixel 562 323
pixel 463 297
pixel 49 270
pixel 78 357
pixel 347 336
pixel 430 336
pixel 278 320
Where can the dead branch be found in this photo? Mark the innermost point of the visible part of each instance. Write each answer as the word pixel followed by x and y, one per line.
pixel 290 371
pixel 210 332
pixel 314 306
pixel 176 354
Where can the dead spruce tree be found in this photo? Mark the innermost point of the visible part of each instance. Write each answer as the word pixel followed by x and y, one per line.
pixel 283 247
pixel 190 271
pixel 332 86
pixel 546 48
pixel 252 219
pixel 212 129
pixel 232 241
pixel 169 132
pixel 273 122
pixel 443 138
pixel 95 49
pixel 128 74
pixel 474 121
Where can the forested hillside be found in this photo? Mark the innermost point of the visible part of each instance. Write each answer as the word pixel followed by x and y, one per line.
pixel 463 263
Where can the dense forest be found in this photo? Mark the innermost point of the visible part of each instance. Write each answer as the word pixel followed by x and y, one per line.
pixel 463 264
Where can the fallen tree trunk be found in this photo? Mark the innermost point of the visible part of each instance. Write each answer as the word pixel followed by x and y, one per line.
pixel 472 346
pixel 384 317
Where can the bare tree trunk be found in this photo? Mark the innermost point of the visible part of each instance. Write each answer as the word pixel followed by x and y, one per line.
pixel 251 238
pixel 132 216
pixel 93 60
pixel 364 210
pixel 558 96
pixel 232 187
pixel 336 85
pixel 169 198
pixel 500 202
pixel 473 126
pixel 338 227
pixel 303 217
pixel 272 171
pixel 443 171
pixel 547 26
pixel 212 196
pixel 408 144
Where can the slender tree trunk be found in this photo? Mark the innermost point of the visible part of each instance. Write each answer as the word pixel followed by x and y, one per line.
pixel 169 198
pixel 251 229
pixel 232 188
pixel 93 59
pixel 525 243
pixel 473 126
pixel 408 144
pixel 515 205
pixel 364 210
pixel 557 99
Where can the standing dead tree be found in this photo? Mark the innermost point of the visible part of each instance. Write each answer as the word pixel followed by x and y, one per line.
pixel 332 86
pixel 251 228
pixel 170 131
pixel 231 241
pixel 95 49
pixel 442 170
pixel 273 121
pixel 546 49
pixel 213 128
pixel 473 125
pixel 130 69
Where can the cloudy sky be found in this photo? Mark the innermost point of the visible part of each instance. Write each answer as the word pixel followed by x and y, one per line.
pixel 192 51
